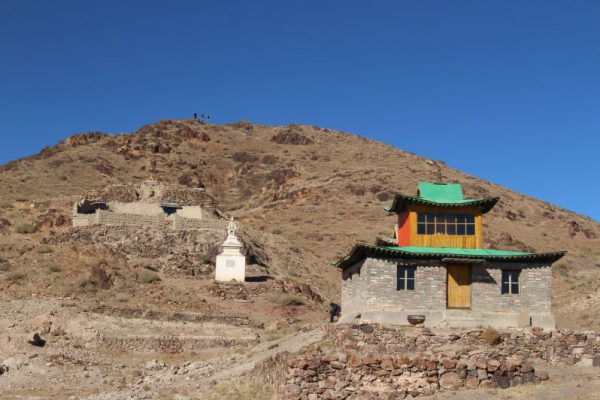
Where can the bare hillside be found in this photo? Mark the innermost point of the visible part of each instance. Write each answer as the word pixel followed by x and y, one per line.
pixel 310 192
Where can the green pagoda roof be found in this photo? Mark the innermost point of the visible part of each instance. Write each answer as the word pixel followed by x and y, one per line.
pixel 363 250
pixel 440 195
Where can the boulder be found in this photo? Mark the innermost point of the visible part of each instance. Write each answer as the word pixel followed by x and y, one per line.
pixel 471 382
pixel 541 375
pixel 492 365
pixel 501 381
pixel 451 381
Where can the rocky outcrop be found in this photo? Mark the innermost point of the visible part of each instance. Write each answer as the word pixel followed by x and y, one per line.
pixel 85 138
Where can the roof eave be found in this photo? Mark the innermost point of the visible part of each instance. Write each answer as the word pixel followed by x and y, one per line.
pixel 362 250
pixel 401 202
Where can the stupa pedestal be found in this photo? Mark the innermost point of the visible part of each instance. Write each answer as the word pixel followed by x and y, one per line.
pixel 231 263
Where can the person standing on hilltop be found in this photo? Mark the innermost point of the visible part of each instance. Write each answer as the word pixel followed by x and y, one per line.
pixel 196 116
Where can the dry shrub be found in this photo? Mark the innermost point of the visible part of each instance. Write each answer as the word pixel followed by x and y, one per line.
pixel 100 276
pixel 384 196
pixel 292 134
pixel 280 176
pixel 491 336
pixel 44 249
pixel 26 228
pixel 285 299
pixel 147 276
pixel 16 276
pixel 54 268
pixel 356 190
pixel 269 159
pixel 244 157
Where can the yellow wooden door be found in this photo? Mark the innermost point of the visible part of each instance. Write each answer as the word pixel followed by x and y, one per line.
pixel 459 286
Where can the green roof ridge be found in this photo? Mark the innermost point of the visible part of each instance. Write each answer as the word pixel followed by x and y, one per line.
pixel 441 192
pixel 457 251
pixel 362 250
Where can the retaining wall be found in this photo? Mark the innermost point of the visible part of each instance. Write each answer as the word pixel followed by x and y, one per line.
pixel 375 361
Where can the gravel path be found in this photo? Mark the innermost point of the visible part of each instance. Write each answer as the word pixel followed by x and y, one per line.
pixel 292 344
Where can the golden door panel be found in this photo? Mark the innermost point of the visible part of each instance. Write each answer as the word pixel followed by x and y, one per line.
pixel 459 286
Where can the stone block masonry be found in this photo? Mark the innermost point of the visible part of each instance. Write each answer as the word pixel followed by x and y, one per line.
pixel 156 221
pixel 375 361
pixel 370 294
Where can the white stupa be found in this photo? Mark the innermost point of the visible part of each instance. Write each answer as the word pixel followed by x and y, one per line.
pixel 231 263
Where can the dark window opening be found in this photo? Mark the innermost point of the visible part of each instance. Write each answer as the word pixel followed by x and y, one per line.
pixel 90 207
pixel 170 208
pixel 510 281
pixel 405 278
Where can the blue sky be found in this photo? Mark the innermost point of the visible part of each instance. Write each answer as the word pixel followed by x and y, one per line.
pixel 505 90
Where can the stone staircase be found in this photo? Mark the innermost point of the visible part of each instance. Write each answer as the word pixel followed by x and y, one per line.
pixel 463 319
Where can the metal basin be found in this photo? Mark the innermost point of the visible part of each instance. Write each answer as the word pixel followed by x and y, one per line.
pixel 415 319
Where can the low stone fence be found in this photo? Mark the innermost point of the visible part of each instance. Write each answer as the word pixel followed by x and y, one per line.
pixel 374 361
pixel 171 344
pixel 555 347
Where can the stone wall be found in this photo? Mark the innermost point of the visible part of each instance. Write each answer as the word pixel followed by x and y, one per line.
pixel 559 347
pixel 374 361
pixel 170 344
pixel 535 288
pixel 113 218
pixel 102 217
pixel 188 223
pixel 84 219
pixel 354 291
pixel 429 293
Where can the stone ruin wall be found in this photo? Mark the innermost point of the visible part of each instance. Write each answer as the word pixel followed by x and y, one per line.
pixel 139 204
pixel 374 361
pixel 170 344
pixel 102 217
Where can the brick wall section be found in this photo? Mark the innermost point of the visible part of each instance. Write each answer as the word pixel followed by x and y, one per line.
pixel 371 285
pixel 354 290
pixel 430 287
pixel 535 288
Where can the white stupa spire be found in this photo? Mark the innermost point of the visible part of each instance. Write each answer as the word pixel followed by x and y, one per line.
pixel 231 263
pixel 231 240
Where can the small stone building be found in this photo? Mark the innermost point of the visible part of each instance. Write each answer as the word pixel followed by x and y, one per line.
pixel 149 203
pixel 437 267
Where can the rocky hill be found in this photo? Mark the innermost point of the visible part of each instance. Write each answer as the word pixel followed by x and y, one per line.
pixel 306 195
